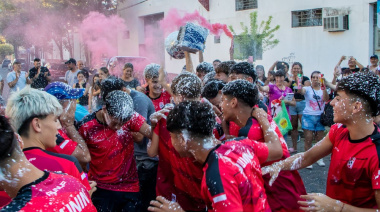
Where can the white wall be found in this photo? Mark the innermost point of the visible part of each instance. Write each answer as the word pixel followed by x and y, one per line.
pixel 314 48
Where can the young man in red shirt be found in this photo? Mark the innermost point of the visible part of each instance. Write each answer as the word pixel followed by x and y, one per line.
pixel 178 178
pixel 108 134
pixel 353 180
pixel 239 97
pixel 69 142
pixel 154 89
pixel 232 176
pixel 34 116
pixel 32 189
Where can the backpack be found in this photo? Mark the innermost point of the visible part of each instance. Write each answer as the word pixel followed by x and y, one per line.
pixel 327 117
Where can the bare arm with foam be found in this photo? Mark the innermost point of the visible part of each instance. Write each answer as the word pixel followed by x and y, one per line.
pixel 270 136
pixel 300 160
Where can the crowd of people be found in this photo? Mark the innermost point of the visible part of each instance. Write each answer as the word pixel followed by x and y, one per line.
pixel 206 141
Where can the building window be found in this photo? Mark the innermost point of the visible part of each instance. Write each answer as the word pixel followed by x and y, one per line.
pixel 245 4
pixel 217 39
pixel 306 18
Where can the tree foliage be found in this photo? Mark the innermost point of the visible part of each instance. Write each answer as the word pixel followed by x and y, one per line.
pixel 255 39
pixel 5 49
pixel 39 22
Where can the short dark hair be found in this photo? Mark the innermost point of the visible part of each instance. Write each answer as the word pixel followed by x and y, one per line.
pixel 216 60
pixel 243 90
pixel 346 71
pixel 211 88
pixel 119 105
pixel 187 85
pixel 314 72
pixel 197 118
pixel 223 67
pixel 8 141
pixel 109 85
pixel 281 65
pixel 37 59
pixel 128 65
pixel 105 70
pixel 366 87
pixel 246 69
pixel 280 73
pixel 205 67
pixel 81 72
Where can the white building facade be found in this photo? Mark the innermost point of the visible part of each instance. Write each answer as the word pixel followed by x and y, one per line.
pixel 304 34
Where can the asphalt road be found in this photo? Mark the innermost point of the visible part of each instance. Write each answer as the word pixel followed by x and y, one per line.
pixel 314 179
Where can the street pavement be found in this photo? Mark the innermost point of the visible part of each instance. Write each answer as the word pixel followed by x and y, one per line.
pixel 314 179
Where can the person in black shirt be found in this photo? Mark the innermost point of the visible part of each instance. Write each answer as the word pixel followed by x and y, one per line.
pixel 352 63
pixel 40 76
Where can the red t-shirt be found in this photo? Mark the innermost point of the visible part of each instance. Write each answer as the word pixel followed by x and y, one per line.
pixel 232 177
pixel 53 162
pixel 64 144
pixel 52 192
pixel 165 180
pixel 286 190
pixel 354 169
pixel 112 165
pixel 183 172
pixel 160 102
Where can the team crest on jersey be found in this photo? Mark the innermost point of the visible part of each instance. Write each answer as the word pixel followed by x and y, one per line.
pixel 351 162
pixel 161 105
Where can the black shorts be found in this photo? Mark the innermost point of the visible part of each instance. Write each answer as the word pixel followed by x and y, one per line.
pixel 107 200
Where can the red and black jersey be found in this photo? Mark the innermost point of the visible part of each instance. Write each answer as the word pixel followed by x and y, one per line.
pixel 112 164
pixel 232 178
pixel 284 194
pixel 354 172
pixel 64 144
pixel 165 179
pixel 182 172
pixel 53 162
pixel 160 102
pixel 4 199
pixel 52 192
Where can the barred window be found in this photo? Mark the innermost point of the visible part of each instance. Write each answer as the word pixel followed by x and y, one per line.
pixel 305 18
pixel 245 4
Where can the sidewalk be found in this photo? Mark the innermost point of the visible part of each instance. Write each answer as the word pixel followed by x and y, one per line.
pixel 314 179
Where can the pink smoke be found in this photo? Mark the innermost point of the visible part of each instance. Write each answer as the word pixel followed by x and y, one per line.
pixel 100 34
pixel 173 20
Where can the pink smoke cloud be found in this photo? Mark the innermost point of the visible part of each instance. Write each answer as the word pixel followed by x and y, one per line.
pixel 100 34
pixel 173 20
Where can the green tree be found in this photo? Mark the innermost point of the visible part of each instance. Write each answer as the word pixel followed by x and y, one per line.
pixel 5 49
pixel 256 39
pixel 37 23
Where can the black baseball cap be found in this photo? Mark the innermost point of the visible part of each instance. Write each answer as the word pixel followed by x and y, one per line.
pixel 71 60
pixel 374 56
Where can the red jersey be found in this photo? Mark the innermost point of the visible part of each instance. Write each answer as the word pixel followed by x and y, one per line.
pixel 52 192
pixel 354 169
pixel 64 144
pixel 160 102
pixel 112 164
pixel 285 191
pixel 165 180
pixel 53 162
pixel 232 177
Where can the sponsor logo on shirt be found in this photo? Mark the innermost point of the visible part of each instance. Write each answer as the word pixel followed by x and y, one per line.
pixel 81 201
pixel 351 162
pixel 56 189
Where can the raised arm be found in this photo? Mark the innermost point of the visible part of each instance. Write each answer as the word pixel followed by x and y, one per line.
pixel 189 63
pixel 153 146
pixel 272 67
pixel 300 160
pixel 162 80
pixel 270 136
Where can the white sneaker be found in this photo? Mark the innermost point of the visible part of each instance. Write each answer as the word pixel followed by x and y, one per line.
pixel 310 167
pixel 321 163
